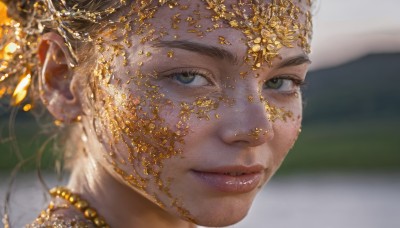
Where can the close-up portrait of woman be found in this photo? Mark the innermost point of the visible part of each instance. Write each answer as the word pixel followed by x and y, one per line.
pixel 174 113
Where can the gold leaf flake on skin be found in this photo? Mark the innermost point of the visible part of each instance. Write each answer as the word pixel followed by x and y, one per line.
pixel 170 54
pixel 267 27
pixel 222 40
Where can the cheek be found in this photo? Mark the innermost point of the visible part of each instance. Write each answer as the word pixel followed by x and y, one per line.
pixel 140 135
pixel 285 135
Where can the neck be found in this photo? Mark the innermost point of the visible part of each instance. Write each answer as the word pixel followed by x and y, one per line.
pixel 120 205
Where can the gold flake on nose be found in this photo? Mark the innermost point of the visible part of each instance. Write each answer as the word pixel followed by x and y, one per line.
pixel 257 132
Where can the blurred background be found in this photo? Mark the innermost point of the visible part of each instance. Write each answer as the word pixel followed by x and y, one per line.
pixel 345 168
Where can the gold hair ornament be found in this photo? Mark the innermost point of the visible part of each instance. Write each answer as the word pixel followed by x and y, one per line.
pixel 19 37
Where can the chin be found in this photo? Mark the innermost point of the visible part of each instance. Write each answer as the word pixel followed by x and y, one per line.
pixel 221 220
pixel 220 216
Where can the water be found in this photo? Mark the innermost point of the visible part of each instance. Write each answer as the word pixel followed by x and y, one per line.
pixel 336 200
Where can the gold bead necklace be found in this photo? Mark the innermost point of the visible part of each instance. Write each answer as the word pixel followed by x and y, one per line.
pixel 82 205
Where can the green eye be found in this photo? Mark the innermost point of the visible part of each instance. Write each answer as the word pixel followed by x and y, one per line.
pixel 185 78
pixel 274 83
pixel 190 78
pixel 283 85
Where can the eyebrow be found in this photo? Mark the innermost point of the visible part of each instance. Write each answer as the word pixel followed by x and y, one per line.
pixel 203 49
pixel 295 61
pixel 217 52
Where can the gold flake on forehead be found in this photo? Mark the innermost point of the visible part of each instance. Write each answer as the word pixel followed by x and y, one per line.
pixel 267 27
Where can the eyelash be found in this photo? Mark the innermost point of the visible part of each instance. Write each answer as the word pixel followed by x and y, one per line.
pixel 192 72
pixel 298 83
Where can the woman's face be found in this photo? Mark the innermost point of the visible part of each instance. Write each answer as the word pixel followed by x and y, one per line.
pixel 187 117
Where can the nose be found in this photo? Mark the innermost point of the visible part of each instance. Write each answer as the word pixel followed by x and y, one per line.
pixel 246 123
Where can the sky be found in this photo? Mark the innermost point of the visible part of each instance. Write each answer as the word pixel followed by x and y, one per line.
pixel 348 29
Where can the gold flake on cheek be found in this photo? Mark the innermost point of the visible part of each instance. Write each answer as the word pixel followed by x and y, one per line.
pixel 267 27
pixel 135 124
pixel 243 75
pixel 201 107
pixel 250 98
pixel 275 113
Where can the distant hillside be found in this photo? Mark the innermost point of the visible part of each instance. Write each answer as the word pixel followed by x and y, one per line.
pixel 363 89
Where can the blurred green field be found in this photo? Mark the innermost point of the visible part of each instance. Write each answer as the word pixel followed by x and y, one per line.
pixel 340 146
pixel 29 139
pixel 364 145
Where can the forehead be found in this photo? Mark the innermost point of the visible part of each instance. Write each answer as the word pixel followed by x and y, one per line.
pixel 208 15
pixel 262 27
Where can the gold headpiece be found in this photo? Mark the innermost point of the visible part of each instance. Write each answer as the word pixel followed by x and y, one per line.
pixel 19 38
pixel 14 67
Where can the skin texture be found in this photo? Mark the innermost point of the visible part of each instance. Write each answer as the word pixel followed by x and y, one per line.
pixel 224 139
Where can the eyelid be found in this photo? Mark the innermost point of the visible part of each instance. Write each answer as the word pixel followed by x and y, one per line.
pixel 297 80
pixel 298 84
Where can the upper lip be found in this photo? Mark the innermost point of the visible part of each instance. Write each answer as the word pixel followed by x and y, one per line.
pixel 233 169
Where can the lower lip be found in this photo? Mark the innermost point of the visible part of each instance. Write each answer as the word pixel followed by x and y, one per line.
pixel 231 184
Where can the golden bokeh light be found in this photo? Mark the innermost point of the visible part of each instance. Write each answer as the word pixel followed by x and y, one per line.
pixel 21 91
pixel 8 51
pixel 3 91
pixel 4 19
pixel 27 107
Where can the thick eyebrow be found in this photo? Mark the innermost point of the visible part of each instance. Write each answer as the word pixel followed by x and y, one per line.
pixel 203 49
pixel 295 61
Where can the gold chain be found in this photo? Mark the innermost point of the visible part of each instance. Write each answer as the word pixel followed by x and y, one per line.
pixel 80 204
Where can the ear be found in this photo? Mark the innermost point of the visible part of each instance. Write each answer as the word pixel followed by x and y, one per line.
pixel 57 85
